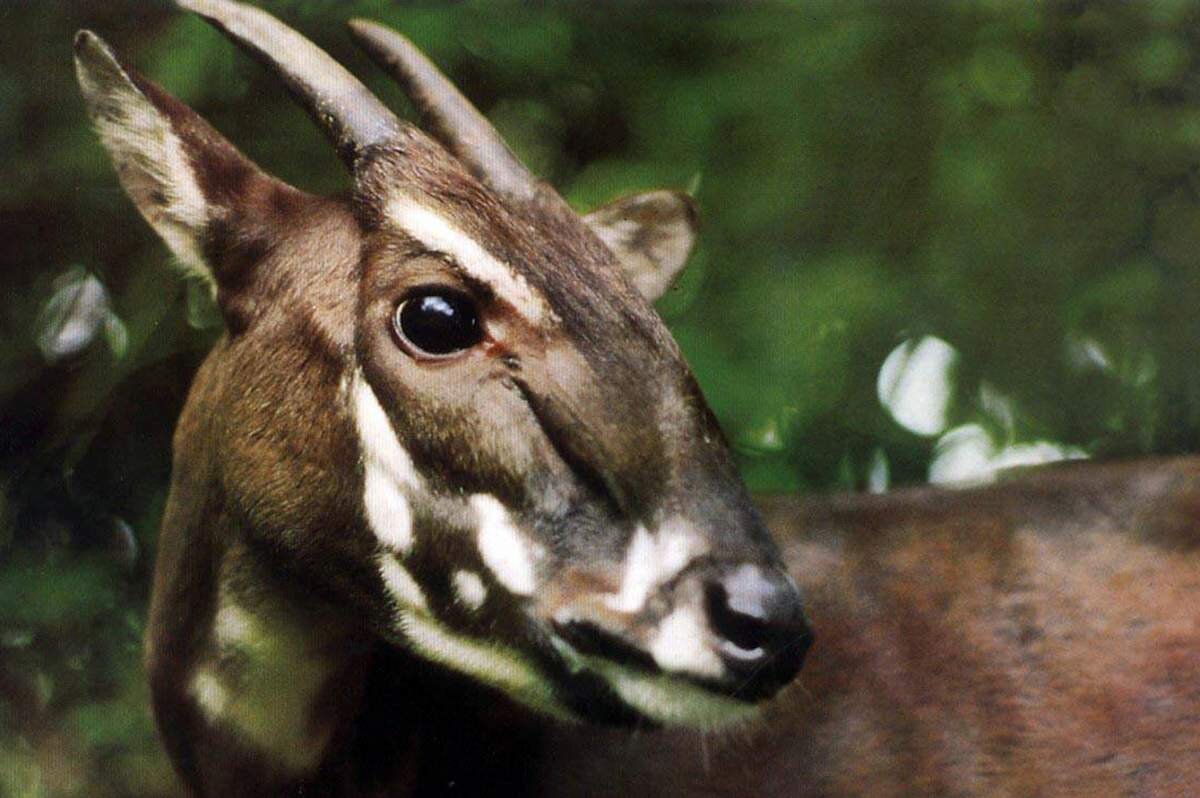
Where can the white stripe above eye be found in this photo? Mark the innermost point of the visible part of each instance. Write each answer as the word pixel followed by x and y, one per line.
pixel 439 234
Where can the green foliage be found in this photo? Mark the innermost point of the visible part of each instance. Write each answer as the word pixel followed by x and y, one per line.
pixel 1014 182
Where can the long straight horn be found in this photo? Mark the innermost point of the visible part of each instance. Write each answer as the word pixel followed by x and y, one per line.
pixel 447 114
pixel 352 117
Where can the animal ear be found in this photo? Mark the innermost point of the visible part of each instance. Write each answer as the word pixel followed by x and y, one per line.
pixel 182 175
pixel 651 234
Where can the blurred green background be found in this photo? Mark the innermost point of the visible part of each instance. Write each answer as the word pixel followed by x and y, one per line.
pixel 939 239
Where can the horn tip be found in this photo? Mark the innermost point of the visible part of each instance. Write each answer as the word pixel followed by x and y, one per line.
pixel 376 35
pixel 209 9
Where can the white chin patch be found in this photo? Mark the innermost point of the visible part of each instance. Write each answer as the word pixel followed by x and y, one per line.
pixel 669 700
pixel 492 664
pixel 504 551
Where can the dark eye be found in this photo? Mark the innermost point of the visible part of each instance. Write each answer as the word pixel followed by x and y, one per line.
pixel 438 323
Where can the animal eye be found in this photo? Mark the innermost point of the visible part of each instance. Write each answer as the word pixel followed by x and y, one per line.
pixel 438 322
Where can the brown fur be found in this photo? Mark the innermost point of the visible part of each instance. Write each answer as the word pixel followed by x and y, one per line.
pixel 1036 638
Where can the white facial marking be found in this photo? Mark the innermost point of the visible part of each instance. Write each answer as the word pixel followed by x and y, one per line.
pixel 209 693
pixel 652 560
pixel 150 160
pixel 388 471
pixel 680 644
pixel 440 235
pixel 401 584
pixel 235 628
pixel 506 554
pixel 469 589
pixel 388 512
pixel 492 664
pixel 671 701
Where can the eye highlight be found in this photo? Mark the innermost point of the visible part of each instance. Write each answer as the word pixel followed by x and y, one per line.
pixel 437 322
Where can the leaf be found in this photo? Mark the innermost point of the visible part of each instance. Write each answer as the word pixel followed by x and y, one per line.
pixel 116 335
pixel 202 310
pixel 72 317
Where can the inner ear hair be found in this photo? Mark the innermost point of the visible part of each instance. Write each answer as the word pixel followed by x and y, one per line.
pixel 651 234
pixel 182 175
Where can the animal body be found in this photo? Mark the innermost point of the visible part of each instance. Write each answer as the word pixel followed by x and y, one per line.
pixel 1037 637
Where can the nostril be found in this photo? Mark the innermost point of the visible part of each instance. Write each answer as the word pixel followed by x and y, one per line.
pixel 756 612
pixel 745 626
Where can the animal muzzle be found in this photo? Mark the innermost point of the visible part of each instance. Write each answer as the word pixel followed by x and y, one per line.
pixel 733 628
pixel 757 625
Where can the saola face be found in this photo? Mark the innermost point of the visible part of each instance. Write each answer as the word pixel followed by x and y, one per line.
pixel 561 467
pixel 526 482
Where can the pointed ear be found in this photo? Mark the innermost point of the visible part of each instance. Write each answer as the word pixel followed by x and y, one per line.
pixel 651 234
pixel 182 175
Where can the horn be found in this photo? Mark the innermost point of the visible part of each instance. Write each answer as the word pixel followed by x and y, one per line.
pixel 352 117
pixel 447 114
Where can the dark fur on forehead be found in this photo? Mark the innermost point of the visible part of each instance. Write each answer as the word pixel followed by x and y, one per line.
pixel 542 240
pixel 631 365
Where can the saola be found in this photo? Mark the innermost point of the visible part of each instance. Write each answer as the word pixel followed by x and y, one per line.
pixel 444 424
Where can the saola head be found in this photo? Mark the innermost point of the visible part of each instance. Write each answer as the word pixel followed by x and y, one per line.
pixel 446 403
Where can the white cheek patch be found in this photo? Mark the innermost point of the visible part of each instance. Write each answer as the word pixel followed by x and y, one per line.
pixel 469 589
pixel 653 560
pixel 263 686
pixel 234 627
pixel 151 160
pixel 209 693
pixel 680 645
pixel 388 471
pixel 506 554
pixel 401 585
pixel 388 512
pixel 439 234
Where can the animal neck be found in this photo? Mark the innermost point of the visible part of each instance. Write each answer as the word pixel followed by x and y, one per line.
pixel 273 677
pixel 280 692
pixel 273 672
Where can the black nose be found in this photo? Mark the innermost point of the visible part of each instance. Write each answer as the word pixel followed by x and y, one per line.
pixel 756 611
